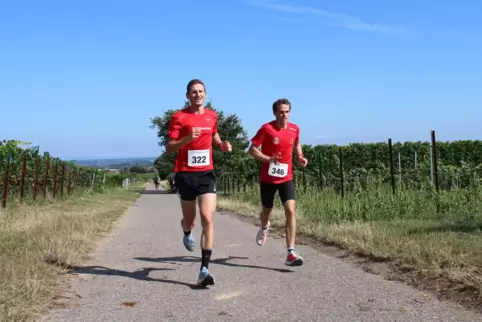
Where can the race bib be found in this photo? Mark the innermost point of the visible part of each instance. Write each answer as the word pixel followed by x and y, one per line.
pixel 279 170
pixel 198 158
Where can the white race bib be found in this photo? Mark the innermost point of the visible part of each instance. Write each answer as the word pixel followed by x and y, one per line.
pixel 198 158
pixel 279 170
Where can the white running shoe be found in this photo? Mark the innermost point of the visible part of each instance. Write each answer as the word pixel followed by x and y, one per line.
pixel 262 235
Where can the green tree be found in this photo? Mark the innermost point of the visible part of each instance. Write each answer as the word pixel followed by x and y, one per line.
pixel 138 169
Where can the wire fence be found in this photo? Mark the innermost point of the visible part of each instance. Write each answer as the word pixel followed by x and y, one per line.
pixel 394 169
pixel 27 175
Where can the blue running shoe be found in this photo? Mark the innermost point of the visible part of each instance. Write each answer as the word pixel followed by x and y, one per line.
pixel 205 278
pixel 188 241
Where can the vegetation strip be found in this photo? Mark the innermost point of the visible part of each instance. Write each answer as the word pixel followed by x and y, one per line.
pixel 440 254
pixel 37 241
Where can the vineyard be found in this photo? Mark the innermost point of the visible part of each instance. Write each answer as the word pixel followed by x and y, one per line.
pixel 27 175
pixel 355 167
pixel 412 178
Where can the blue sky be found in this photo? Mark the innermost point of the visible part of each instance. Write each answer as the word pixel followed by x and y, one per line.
pixel 83 78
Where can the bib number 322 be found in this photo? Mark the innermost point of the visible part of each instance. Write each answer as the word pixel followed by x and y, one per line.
pixel 278 170
pixel 198 158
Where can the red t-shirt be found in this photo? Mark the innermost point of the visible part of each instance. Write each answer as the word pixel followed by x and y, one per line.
pixel 196 155
pixel 273 140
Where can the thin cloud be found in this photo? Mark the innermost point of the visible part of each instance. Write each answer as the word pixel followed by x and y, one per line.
pixel 331 18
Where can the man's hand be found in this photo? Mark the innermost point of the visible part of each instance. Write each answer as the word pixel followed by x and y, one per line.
pixel 274 159
pixel 195 133
pixel 226 146
pixel 302 161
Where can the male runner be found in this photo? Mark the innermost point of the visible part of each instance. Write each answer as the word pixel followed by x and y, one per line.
pixel 192 131
pixel 277 140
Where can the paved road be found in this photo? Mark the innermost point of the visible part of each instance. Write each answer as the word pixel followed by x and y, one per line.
pixel 143 273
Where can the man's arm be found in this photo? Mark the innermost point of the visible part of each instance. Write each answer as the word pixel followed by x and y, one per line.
pixel 257 154
pixel 299 149
pixel 256 142
pixel 174 145
pixel 223 146
pixel 299 152
pixel 217 139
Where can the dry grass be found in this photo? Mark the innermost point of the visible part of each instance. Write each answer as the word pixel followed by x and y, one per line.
pixel 35 236
pixel 164 184
pixel 441 247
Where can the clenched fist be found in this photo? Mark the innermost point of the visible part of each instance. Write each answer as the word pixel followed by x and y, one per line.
pixel 226 146
pixel 195 133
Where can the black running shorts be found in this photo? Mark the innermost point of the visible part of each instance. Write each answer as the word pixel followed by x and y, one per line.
pixel 286 192
pixel 193 184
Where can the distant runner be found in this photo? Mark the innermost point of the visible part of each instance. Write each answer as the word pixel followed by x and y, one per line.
pixel 277 140
pixel 192 132
pixel 156 182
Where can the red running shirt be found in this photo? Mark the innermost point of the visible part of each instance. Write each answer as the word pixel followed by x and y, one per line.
pixel 273 140
pixel 196 155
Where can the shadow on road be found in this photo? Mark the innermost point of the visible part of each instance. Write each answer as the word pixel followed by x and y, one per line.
pixel 155 192
pixel 219 261
pixel 141 275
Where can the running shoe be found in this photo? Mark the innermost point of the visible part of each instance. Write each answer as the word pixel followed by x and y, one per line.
pixel 294 259
pixel 262 235
pixel 188 241
pixel 205 278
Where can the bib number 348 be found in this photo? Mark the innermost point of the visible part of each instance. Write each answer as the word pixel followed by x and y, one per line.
pixel 278 170
pixel 198 158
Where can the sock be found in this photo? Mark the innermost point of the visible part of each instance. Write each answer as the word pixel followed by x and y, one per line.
pixel 291 249
pixel 206 257
pixel 187 233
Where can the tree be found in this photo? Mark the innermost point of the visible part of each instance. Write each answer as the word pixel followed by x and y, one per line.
pixel 230 129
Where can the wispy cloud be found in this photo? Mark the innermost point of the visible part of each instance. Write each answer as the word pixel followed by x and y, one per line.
pixel 331 18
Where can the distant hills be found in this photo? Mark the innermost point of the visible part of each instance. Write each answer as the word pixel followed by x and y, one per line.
pixel 119 163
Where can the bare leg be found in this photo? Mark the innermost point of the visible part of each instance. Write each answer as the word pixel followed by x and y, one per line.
pixel 290 227
pixel 188 214
pixel 188 221
pixel 264 216
pixel 263 230
pixel 207 208
pixel 293 259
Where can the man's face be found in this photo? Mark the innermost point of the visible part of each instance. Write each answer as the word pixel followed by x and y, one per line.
pixel 283 113
pixel 196 95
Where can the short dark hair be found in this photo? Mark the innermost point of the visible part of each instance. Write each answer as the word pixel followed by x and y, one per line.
pixel 193 82
pixel 279 102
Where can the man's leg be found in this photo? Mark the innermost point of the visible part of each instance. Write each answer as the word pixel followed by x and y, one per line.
pixel 290 226
pixel 267 191
pixel 288 199
pixel 188 207
pixel 207 209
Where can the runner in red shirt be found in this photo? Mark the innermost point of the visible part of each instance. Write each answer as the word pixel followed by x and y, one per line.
pixel 277 139
pixel 192 132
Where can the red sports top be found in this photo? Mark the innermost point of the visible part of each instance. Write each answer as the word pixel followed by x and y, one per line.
pixel 196 155
pixel 273 140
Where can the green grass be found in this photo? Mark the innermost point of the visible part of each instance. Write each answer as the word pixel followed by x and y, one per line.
pixel 405 228
pixel 35 235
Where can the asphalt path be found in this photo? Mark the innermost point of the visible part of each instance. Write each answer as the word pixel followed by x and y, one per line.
pixel 142 272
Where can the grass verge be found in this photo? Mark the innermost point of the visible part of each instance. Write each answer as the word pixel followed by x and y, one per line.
pixel 35 236
pixel 436 251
